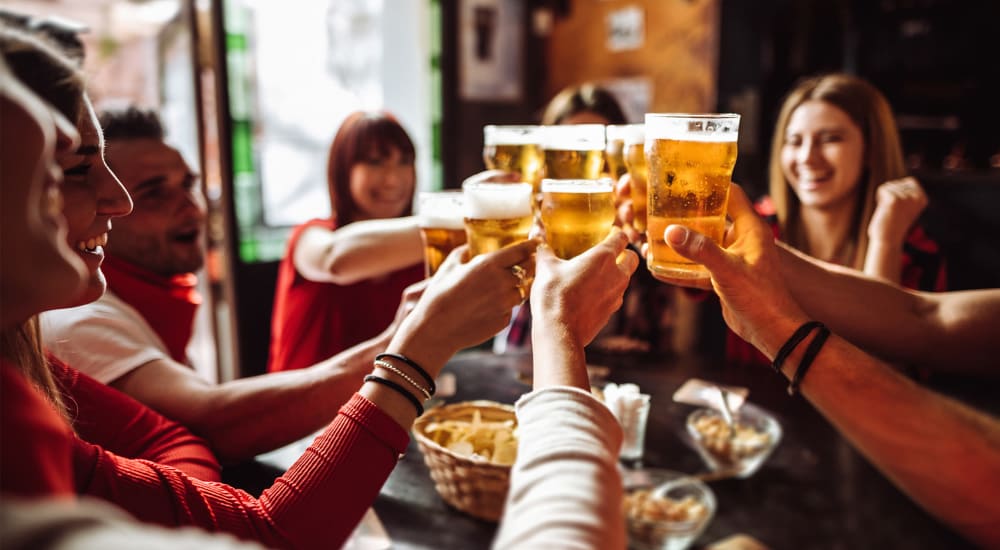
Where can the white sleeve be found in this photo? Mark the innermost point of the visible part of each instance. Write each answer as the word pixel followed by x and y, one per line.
pixel 565 489
pixel 105 339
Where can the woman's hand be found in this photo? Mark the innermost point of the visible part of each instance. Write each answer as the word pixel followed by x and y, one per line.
pixel 464 304
pixel 571 300
pixel 898 204
pixel 626 213
pixel 746 275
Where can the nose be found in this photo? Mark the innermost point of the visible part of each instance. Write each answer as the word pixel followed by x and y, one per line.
pixel 193 204
pixel 808 153
pixel 112 199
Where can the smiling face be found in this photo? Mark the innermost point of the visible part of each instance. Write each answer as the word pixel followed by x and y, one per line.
pixel 822 156
pixel 164 232
pixel 39 271
pixel 381 186
pixel 93 196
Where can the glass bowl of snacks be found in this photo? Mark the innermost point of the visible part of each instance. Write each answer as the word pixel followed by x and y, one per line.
pixel 736 452
pixel 665 510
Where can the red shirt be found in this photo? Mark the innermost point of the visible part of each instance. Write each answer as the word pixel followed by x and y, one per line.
pixel 316 504
pixel 314 321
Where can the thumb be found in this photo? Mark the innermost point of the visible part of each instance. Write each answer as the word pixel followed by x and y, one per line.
pixel 695 246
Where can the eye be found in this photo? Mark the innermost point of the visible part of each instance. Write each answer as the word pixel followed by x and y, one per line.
pixel 793 140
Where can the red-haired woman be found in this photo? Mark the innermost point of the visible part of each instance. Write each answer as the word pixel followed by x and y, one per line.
pixel 342 277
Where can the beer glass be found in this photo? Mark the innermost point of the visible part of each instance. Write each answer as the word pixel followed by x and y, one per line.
pixel 442 228
pixel 514 149
pixel 574 151
pixel 496 215
pixel 614 151
pixel 576 214
pixel 635 162
pixel 690 160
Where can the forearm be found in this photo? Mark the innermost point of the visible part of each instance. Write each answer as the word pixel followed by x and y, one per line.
pixel 944 455
pixel 563 358
pixel 884 260
pixel 362 250
pixel 567 439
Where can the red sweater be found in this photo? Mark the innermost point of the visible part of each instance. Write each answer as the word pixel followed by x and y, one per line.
pixel 315 504
pixel 107 417
pixel 315 321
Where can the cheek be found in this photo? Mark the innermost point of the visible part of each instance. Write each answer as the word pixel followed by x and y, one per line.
pixel 78 208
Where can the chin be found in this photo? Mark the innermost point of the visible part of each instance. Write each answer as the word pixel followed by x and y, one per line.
pixel 96 286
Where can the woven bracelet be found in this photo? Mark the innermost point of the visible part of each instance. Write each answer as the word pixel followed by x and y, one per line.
pixel 413 364
pixel 811 352
pixel 388 366
pixel 400 389
pixel 797 337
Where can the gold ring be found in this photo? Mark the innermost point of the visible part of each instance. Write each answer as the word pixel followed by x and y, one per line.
pixel 520 273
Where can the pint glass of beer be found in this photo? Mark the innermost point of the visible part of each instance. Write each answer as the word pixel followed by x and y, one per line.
pixel 576 214
pixel 514 149
pixel 496 215
pixel 442 227
pixel 690 160
pixel 635 162
pixel 614 151
pixel 574 151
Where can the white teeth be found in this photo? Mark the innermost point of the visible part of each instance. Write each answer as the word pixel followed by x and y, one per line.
pixel 92 243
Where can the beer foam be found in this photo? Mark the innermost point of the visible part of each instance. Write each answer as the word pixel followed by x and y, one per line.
pixel 497 201
pixel 603 185
pixel 687 127
pixel 634 133
pixel 442 220
pixel 511 135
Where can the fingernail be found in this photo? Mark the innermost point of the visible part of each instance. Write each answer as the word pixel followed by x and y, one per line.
pixel 676 234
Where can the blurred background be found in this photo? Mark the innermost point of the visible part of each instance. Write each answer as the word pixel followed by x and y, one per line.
pixel 253 91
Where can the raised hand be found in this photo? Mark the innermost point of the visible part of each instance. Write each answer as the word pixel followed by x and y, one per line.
pixel 898 204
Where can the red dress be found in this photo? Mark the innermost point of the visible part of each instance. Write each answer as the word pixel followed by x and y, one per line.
pixel 923 269
pixel 314 321
pixel 316 504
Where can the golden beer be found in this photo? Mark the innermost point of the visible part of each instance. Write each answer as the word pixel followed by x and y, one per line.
pixel 576 214
pixel 614 152
pixel 442 227
pixel 574 151
pixel 635 162
pixel 690 160
pixel 566 164
pixel 496 215
pixel 515 149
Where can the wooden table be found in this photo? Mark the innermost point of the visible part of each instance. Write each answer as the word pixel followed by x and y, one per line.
pixel 815 491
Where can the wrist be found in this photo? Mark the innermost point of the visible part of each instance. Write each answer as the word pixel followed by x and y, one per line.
pixel 422 348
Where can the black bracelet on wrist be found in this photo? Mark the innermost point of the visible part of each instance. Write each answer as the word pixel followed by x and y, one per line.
pixel 793 341
pixel 399 389
pixel 413 364
pixel 807 358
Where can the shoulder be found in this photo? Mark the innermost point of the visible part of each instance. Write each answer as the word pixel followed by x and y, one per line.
pixel 105 339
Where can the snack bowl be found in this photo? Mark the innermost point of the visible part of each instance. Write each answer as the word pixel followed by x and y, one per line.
pixel 665 510
pixel 466 476
pixel 738 454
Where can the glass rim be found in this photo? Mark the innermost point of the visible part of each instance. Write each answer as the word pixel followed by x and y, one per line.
pixel 697 116
pixel 574 137
pixel 514 134
pixel 548 183
pixel 517 185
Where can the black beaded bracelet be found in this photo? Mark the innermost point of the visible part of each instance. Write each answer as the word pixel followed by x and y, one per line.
pixel 797 337
pixel 413 364
pixel 807 358
pixel 400 389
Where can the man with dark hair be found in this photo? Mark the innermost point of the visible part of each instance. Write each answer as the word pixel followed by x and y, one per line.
pixel 135 338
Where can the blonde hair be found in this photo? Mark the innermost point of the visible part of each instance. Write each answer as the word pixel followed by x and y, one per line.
pixel 883 158
pixel 22 347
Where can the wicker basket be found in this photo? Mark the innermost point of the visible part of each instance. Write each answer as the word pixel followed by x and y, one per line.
pixel 476 487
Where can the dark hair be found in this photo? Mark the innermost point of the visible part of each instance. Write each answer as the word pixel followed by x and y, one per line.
pixel 585 97
pixel 61 32
pixel 45 69
pixel 362 135
pixel 131 123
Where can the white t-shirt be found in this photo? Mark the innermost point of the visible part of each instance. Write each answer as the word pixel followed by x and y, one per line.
pixel 107 339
